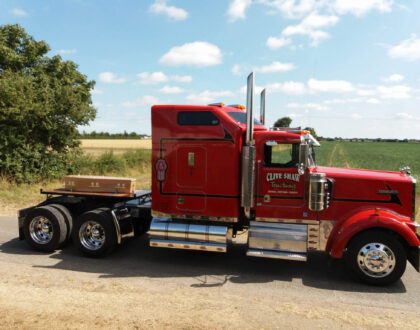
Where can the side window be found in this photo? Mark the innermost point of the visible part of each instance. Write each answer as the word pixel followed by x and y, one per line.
pixel 280 154
pixel 197 118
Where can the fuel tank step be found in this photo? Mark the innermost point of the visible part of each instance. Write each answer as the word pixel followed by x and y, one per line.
pixel 175 234
pixel 287 255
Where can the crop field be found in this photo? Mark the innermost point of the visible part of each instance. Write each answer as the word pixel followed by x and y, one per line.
pixel 386 156
pixel 117 146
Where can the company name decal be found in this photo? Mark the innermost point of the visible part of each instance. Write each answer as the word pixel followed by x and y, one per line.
pixel 287 183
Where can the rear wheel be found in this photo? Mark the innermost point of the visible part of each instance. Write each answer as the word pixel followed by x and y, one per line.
pixel 376 257
pixel 68 218
pixel 45 228
pixel 94 233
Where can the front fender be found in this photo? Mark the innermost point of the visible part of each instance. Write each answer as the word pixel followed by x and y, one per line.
pixel 369 219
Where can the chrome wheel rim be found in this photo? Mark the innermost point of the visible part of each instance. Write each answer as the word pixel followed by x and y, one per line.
pixel 92 235
pixel 376 260
pixel 41 230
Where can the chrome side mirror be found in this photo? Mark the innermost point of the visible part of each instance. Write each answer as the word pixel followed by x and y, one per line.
pixel 303 158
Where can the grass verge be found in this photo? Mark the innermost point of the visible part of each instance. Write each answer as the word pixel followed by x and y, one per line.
pixel 133 164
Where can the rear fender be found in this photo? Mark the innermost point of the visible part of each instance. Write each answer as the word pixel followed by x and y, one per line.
pixel 369 219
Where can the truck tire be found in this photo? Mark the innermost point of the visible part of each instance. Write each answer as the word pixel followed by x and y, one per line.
pixel 68 218
pixel 44 228
pixel 376 257
pixel 94 233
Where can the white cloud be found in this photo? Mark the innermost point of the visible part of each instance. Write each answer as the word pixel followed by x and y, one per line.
pixel 237 9
pixel 291 8
pixel 289 87
pixel 309 106
pixel 153 78
pixel 373 100
pixel 111 78
pixel 405 116
pixel 181 79
pixel 394 92
pixel 160 7
pixel 394 78
pixel 171 90
pixel 67 51
pixel 356 116
pixel 366 92
pixel 275 67
pixel 208 96
pixel 236 70
pixel 311 26
pixel 344 100
pixel 333 86
pixel 361 7
pixel 317 21
pixel 199 54
pixel 146 100
pixel 96 91
pixel 276 43
pixel 18 12
pixel 317 16
pixel 408 49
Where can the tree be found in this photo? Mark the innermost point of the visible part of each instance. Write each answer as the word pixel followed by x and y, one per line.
pixel 312 131
pixel 283 122
pixel 42 101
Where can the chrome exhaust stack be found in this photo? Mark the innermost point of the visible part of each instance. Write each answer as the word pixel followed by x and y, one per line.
pixel 262 107
pixel 248 152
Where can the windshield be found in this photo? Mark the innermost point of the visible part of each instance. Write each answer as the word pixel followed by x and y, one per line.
pixel 240 117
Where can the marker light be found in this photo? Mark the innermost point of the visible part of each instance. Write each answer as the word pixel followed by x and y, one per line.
pixel 220 104
pixel 237 106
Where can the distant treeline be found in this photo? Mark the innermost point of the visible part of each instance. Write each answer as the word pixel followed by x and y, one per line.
pixel 321 138
pixel 106 135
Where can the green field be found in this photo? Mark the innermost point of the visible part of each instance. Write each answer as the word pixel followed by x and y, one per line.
pixel 387 156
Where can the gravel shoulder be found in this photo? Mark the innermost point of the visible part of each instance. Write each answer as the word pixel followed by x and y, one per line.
pixel 140 287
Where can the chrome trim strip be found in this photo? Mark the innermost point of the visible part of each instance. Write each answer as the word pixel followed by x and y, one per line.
pixel 117 226
pixel 276 255
pixel 305 221
pixel 157 214
pixel 212 247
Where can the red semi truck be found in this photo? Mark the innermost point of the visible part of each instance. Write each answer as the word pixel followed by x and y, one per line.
pixel 217 171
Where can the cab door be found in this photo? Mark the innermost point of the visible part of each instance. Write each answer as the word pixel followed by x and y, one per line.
pixel 280 187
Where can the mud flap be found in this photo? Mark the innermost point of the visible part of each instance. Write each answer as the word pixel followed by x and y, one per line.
pixel 413 257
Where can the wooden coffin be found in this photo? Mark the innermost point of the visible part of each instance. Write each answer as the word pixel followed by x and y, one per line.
pixel 104 184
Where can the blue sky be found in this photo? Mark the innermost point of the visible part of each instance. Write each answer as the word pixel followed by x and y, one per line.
pixel 348 68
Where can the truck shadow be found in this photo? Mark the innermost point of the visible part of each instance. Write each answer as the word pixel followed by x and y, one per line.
pixel 136 259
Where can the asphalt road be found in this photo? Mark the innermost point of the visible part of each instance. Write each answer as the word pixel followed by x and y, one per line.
pixel 218 290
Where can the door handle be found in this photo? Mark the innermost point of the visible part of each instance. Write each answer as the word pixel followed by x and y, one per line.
pixel 191 159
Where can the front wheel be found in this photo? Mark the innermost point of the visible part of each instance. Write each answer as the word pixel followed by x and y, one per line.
pixel 94 233
pixel 376 257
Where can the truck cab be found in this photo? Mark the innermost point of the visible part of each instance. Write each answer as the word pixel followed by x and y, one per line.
pixel 218 170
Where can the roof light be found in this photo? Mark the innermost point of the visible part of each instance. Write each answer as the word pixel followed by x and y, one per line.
pixel 304 132
pixel 220 104
pixel 237 106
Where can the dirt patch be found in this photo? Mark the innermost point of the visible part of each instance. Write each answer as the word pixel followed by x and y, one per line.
pixel 341 152
pixel 33 298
